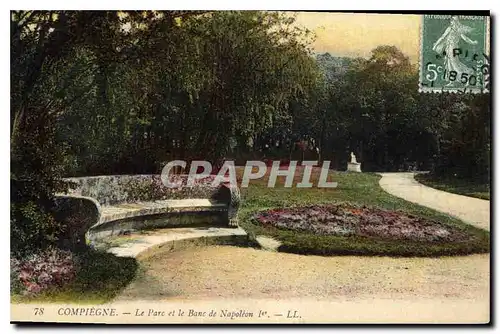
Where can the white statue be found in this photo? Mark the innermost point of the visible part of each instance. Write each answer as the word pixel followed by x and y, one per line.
pixel 353 158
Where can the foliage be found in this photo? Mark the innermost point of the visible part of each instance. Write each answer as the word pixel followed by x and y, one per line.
pixel 98 279
pixel 36 165
pixel 373 108
pixel 38 41
pixel 40 272
pixel 190 88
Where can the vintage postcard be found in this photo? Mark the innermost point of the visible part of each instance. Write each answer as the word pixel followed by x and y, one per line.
pixel 250 167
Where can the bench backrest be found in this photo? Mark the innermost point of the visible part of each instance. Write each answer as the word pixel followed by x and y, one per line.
pixel 113 189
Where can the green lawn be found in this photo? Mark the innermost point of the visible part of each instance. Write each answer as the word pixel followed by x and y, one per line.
pixel 454 185
pixel 358 188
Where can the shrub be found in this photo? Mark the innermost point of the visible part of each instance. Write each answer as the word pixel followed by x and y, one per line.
pixel 42 271
pixel 36 169
pixel 32 228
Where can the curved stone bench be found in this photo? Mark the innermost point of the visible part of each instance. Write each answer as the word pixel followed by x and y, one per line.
pixel 103 206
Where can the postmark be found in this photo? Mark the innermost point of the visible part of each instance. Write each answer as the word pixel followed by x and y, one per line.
pixel 454 54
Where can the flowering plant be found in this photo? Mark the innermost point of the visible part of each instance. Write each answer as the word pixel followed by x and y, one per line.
pixel 345 219
pixel 42 271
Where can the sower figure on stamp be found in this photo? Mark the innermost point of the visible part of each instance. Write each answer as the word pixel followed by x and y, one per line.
pixel 449 41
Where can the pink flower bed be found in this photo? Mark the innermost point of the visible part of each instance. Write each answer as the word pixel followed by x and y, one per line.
pixel 42 271
pixel 347 220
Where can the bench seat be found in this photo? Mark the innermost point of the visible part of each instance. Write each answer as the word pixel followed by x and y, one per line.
pixel 96 207
pixel 138 209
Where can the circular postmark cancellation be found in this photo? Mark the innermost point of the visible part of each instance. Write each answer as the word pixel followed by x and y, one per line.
pixel 454 54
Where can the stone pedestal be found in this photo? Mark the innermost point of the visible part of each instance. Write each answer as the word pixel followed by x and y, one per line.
pixel 354 167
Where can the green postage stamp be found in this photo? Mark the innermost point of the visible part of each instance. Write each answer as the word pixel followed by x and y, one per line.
pixel 454 54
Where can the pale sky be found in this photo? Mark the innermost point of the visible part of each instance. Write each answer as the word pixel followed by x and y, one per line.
pixel 356 34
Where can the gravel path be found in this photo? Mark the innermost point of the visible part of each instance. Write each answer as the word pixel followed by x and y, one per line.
pixel 232 273
pixel 227 271
pixel 474 211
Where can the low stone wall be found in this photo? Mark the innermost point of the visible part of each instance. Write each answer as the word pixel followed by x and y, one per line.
pixel 82 208
pixel 114 189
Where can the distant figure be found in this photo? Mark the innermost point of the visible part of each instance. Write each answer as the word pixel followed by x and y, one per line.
pixel 450 40
pixel 353 158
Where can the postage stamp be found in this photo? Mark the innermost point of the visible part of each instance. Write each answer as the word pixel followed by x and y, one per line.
pixel 454 54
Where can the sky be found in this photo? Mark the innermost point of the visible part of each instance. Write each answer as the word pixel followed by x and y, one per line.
pixel 356 34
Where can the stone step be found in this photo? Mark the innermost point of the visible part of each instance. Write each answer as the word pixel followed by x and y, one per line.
pixel 268 243
pixel 148 242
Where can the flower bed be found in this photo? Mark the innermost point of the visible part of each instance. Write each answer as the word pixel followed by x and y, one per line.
pixel 348 220
pixel 49 269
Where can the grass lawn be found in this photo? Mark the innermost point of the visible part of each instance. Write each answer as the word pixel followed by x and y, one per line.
pixel 454 185
pixel 101 277
pixel 356 188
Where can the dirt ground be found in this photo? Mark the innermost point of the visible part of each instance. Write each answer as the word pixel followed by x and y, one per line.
pixel 233 272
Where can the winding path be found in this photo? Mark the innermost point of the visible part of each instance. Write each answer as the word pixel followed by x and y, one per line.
pixel 471 210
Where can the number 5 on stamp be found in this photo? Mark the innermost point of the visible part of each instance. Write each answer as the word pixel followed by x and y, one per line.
pixel 454 54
